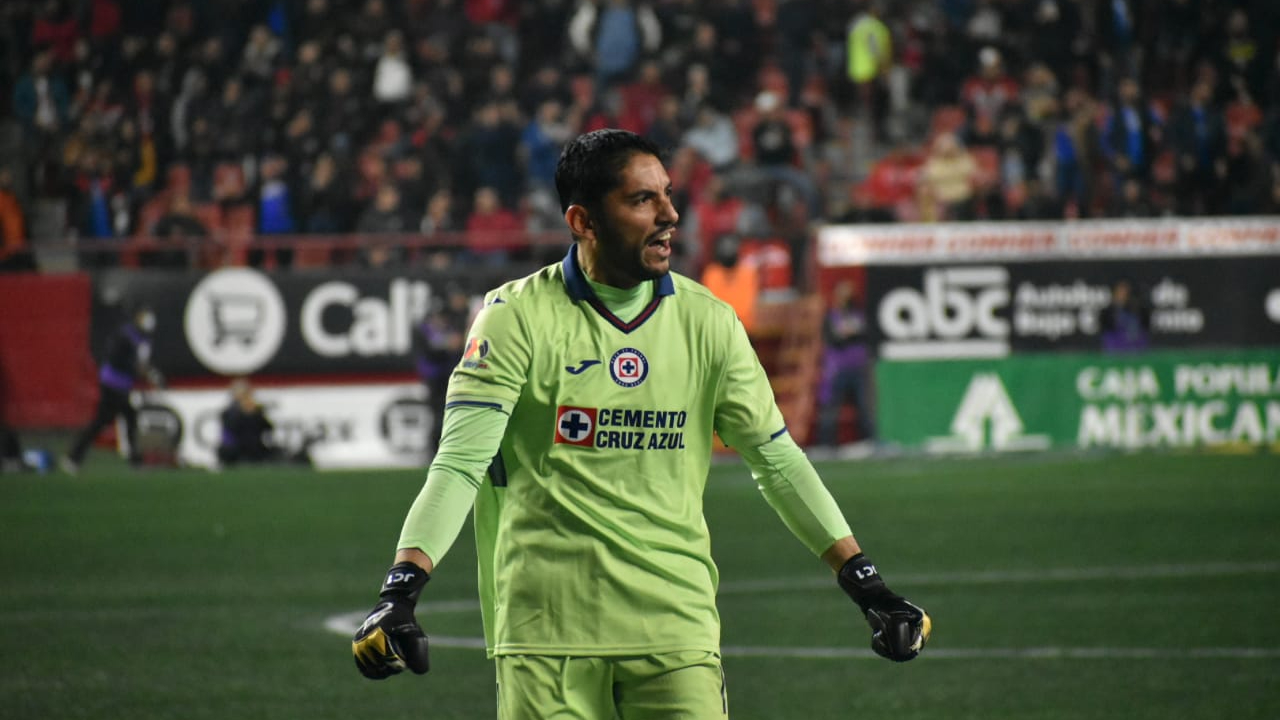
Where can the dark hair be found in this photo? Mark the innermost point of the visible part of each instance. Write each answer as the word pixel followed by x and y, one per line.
pixel 590 164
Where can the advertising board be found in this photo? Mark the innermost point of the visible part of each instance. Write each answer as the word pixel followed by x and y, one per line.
pixel 372 425
pixel 1164 400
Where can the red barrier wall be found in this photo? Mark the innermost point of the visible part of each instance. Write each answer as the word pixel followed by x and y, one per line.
pixel 47 375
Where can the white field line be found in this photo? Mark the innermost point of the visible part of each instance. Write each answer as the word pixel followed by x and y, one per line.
pixel 1000 577
pixel 346 623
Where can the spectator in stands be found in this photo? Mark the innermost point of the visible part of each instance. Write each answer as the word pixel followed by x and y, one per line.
pixel 1244 61
pixel 275 210
pixel 846 364
pixel 1133 135
pixel 1055 35
pixel 493 231
pixel 733 280
pixel 717 67
pixel 714 137
pixel 1117 24
pixel 56 27
pixel 716 214
pixel 1040 96
pixel 667 128
pixel 1040 203
pixel 1126 322
pixel 1076 150
pixel 177 233
pixel 489 152
pixel 258 59
pixel 541 141
pixel 15 256
pixel 776 154
pixel 237 120
pixel 127 358
pixel 737 38
pixel 1248 178
pixel 439 216
pixel 1132 201
pixel 612 35
pixel 949 178
pixel 985 96
pixel 343 120
pixel 1198 138
pixel 309 75
pixel 392 76
pixel 248 435
pixel 1021 148
pixel 385 214
pixel 324 205
pixel 96 189
pixel 41 101
pixel 796 32
pixel 870 56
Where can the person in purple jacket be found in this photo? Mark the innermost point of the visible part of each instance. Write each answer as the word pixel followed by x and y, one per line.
pixel 846 362
pixel 128 358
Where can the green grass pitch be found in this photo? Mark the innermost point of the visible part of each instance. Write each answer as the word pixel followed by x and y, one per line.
pixel 1090 587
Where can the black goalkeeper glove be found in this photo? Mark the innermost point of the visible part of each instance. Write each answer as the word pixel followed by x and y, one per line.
pixel 899 629
pixel 389 639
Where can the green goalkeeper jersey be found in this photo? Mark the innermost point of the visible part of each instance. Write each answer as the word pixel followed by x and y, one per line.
pixel 590 531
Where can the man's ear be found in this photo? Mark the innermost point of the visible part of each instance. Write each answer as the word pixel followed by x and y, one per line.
pixel 579 222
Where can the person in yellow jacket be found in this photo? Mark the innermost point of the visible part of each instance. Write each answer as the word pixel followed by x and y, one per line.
pixel 870 55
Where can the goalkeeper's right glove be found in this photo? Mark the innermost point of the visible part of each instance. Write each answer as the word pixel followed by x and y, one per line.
pixel 389 639
pixel 899 629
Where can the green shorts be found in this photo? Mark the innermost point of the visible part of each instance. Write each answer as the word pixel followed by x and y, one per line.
pixel 686 685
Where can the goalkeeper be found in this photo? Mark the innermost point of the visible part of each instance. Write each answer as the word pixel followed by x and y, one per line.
pixel 579 425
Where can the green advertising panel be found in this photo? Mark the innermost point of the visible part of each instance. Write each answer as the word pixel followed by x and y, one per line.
pixel 1180 399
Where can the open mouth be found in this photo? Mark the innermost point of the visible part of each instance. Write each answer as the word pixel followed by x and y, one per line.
pixel 662 239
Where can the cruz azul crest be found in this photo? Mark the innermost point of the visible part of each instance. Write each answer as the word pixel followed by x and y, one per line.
pixel 628 367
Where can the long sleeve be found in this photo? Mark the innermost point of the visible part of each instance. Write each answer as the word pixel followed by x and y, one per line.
pixel 792 487
pixel 468 443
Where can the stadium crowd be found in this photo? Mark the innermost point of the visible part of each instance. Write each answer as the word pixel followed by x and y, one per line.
pixel 194 118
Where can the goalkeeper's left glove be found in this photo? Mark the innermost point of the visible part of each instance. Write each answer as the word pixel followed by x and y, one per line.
pixel 389 639
pixel 899 629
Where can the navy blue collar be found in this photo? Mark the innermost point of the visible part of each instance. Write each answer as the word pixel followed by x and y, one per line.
pixel 575 282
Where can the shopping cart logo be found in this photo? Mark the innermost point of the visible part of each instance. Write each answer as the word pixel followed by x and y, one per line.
pixel 235 321
pixel 235 317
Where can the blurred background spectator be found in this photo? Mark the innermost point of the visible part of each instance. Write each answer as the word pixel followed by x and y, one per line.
pixel 290 116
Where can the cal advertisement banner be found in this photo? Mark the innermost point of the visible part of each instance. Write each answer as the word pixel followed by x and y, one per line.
pixel 239 321
pixel 1171 399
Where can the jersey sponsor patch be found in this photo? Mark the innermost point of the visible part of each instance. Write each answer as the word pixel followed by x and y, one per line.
pixel 621 428
pixel 576 425
pixel 628 367
pixel 477 350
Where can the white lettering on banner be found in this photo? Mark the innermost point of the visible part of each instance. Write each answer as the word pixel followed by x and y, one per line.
pixel 956 303
pixel 378 327
pixel 1055 310
pixel 1210 380
pixel 1127 383
pixel 1142 425
pixel 986 407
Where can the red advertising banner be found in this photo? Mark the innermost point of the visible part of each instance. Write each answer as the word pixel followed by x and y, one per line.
pixel 47 374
